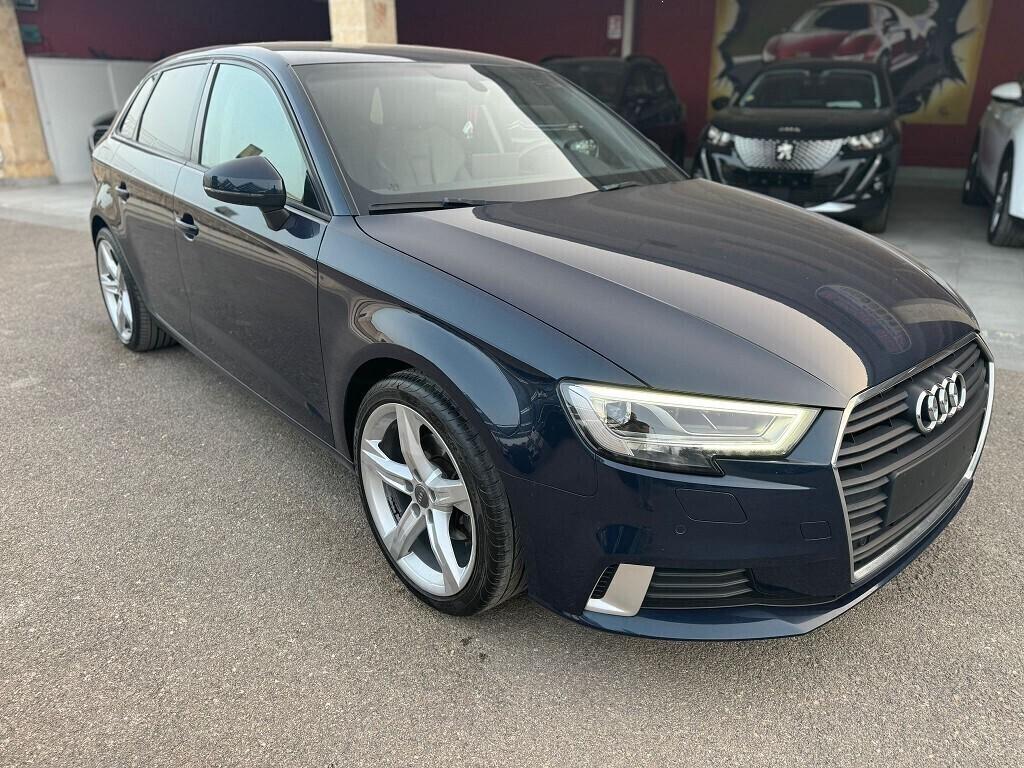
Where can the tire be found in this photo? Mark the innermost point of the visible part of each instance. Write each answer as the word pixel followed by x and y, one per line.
pixel 972 194
pixel 495 572
pixel 1003 229
pixel 133 323
pixel 876 224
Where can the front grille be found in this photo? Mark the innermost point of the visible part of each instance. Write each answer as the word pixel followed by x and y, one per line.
pixel 797 188
pixel 807 154
pixel 689 588
pixel 882 452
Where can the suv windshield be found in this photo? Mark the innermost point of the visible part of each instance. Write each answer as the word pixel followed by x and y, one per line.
pixel 814 89
pixel 406 132
pixel 601 79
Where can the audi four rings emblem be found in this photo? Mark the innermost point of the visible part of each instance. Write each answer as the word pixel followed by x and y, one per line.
pixel 942 401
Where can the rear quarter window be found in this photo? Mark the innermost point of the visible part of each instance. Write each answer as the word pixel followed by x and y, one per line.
pixel 130 124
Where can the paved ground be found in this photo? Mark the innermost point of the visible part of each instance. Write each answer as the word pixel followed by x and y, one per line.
pixel 185 580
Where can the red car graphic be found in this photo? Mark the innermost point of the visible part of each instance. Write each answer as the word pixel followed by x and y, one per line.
pixel 860 30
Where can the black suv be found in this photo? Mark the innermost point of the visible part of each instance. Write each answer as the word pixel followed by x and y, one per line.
pixel 823 135
pixel 639 89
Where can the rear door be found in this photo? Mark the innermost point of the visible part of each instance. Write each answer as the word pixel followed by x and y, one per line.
pixel 156 137
pixel 253 289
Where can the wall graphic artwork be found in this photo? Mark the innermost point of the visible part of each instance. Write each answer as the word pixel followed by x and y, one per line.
pixel 931 47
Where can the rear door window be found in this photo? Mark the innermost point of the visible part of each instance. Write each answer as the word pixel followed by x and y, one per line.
pixel 170 114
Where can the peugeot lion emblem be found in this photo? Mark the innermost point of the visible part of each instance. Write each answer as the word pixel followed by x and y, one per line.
pixel 784 151
pixel 940 402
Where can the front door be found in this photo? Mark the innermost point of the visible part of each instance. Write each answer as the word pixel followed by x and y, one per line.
pixel 253 289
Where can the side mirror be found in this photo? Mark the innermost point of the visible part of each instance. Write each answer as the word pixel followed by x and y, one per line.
pixel 249 181
pixel 1008 93
pixel 720 102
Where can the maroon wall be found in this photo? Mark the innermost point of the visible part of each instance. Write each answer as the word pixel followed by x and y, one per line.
pixel 680 35
pixel 133 29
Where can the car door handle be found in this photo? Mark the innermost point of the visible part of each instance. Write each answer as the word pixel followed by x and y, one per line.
pixel 188 226
pixel 122 191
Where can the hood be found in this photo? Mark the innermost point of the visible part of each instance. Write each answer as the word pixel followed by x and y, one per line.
pixel 816 44
pixel 811 123
pixel 697 287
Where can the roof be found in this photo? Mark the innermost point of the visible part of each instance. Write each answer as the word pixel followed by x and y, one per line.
pixel 296 53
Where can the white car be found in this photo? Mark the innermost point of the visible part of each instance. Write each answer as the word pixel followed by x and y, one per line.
pixel 996 170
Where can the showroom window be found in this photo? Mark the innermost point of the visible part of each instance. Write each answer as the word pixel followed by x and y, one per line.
pixel 167 121
pixel 245 118
pixel 131 120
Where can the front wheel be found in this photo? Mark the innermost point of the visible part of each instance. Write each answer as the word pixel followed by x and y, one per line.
pixel 434 499
pixel 971 192
pixel 1003 229
pixel 876 224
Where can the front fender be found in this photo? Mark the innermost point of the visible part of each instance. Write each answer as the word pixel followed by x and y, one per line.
pixel 501 366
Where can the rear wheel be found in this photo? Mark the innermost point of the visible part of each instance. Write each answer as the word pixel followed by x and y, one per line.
pixel 135 327
pixel 434 499
pixel 971 192
pixel 1003 229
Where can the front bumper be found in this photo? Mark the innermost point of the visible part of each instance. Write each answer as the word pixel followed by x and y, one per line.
pixel 850 186
pixel 783 525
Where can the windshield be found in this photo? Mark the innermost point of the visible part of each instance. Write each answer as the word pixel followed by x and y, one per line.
pixel 423 131
pixel 814 89
pixel 601 79
pixel 841 18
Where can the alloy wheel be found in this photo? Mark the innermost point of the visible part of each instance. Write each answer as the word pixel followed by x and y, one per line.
pixel 418 500
pixel 115 291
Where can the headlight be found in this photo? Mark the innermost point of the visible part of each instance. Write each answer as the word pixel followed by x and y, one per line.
pixel 718 137
pixel 866 140
pixel 682 432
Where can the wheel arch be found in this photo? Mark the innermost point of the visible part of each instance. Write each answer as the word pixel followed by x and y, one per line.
pixel 483 389
pixel 97 223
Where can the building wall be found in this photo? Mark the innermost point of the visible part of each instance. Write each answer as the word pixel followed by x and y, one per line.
pixel 680 34
pixel 147 30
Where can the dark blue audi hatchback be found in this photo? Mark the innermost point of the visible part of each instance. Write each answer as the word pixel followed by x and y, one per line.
pixel 660 406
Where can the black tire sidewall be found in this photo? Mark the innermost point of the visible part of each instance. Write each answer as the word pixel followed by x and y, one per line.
pixel 430 401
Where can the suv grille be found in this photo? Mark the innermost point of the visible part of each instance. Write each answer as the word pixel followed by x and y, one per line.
pixel 891 475
pixel 688 588
pixel 808 154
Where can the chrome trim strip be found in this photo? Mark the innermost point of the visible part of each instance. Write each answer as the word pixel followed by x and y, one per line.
pixel 914 535
pixel 869 175
pixel 626 592
pixel 832 207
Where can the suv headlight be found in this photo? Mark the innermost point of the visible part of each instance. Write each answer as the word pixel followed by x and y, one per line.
pixel 681 432
pixel 866 140
pixel 718 137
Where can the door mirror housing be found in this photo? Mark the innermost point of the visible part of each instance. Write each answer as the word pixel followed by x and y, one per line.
pixel 1008 93
pixel 249 181
pixel 719 102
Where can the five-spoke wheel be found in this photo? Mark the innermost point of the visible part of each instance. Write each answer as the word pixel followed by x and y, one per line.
pixel 115 291
pixel 418 500
pixel 435 501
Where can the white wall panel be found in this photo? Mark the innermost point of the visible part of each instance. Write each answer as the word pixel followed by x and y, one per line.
pixel 71 94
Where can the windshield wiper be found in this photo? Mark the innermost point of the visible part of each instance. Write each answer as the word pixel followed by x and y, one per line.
pixel 428 205
pixel 620 185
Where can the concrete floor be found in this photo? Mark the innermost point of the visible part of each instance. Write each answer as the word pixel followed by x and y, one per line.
pixel 186 580
pixel 927 220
